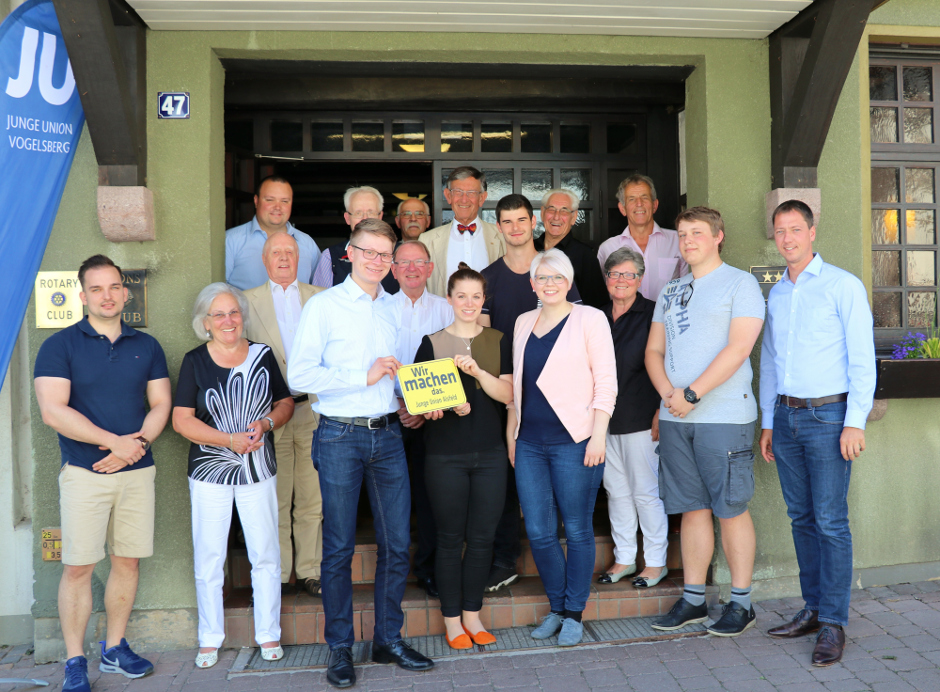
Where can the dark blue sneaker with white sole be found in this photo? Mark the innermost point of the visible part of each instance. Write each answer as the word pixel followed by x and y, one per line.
pixel 120 659
pixel 76 675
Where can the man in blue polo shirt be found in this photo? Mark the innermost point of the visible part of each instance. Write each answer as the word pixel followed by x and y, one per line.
pixel 92 380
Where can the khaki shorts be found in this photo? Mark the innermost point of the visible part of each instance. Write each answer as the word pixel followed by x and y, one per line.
pixel 96 507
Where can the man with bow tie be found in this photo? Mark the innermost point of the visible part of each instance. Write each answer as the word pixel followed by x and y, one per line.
pixel 467 238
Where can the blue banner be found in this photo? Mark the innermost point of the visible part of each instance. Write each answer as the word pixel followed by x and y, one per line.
pixel 42 118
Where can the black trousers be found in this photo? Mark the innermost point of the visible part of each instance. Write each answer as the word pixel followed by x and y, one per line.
pixel 507 549
pixel 467 492
pixel 423 561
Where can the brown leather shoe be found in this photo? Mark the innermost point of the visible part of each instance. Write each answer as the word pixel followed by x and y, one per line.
pixel 829 646
pixel 806 621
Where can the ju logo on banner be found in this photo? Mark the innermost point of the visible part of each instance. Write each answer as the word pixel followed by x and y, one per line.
pixel 42 119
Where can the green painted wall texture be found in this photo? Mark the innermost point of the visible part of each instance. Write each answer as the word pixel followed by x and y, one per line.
pixel 728 152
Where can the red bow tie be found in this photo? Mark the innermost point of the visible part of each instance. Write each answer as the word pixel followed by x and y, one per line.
pixel 472 227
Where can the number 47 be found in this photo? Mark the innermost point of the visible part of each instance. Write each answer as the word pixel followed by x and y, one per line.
pixel 172 105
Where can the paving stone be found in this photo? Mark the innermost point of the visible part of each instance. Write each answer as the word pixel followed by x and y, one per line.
pixel 655 683
pixel 852 685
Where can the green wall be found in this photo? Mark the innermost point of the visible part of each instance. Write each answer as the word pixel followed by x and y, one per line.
pixel 728 153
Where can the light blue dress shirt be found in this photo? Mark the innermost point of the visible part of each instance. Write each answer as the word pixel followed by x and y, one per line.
pixel 243 244
pixel 342 332
pixel 818 341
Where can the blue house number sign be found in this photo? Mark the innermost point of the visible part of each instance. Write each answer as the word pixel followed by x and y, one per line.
pixel 173 105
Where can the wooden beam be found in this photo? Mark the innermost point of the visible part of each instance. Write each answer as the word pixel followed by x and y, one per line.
pixel 111 93
pixel 806 79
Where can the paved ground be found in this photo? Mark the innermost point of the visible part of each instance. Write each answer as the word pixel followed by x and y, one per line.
pixel 894 645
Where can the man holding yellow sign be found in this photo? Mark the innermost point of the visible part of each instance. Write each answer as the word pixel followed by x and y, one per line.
pixel 465 463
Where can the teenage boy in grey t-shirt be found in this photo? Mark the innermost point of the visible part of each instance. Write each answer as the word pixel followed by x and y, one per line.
pixel 698 358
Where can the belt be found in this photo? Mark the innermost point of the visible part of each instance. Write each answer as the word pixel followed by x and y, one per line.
pixel 793 402
pixel 370 423
pixel 301 399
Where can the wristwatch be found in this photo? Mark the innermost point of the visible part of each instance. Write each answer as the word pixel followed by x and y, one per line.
pixel 691 396
pixel 144 442
pixel 270 422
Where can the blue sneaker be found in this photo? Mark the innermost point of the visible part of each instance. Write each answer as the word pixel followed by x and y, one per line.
pixel 76 675
pixel 571 632
pixel 120 659
pixel 551 623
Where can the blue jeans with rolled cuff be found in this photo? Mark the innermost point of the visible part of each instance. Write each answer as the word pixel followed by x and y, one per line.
pixel 815 482
pixel 553 479
pixel 346 456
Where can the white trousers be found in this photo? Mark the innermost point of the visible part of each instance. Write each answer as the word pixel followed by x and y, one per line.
pixel 631 479
pixel 212 519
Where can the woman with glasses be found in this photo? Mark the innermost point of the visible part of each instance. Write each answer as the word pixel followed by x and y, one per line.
pixel 564 390
pixel 465 463
pixel 631 473
pixel 230 395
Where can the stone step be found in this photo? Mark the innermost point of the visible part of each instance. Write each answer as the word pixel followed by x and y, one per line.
pixel 363 562
pixel 521 604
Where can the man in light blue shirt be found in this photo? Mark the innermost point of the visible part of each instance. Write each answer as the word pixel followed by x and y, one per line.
pixel 817 382
pixel 243 244
pixel 344 352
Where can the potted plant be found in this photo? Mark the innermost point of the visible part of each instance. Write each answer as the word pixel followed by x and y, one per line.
pixel 913 371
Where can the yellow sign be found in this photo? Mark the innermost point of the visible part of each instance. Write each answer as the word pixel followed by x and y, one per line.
pixel 57 301
pixel 431 386
pixel 52 544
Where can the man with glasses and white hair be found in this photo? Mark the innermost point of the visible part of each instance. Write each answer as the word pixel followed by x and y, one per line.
pixel 698 358
pixel 335 264
pixel 344 351
pixel 636 199
pixel 412 218
pixel 467 238
pixel 559 213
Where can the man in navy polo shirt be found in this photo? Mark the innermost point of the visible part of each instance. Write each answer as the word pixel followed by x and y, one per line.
pixel 92 380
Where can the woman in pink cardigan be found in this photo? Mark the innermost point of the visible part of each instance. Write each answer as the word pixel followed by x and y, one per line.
pixel 564 389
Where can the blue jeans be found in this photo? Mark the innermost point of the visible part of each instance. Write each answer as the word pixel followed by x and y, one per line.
pixel 553 479
pixel 346 456
pixel 815 482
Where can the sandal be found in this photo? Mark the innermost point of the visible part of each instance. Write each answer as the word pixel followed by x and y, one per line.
pixel 207 660
pixel 274 653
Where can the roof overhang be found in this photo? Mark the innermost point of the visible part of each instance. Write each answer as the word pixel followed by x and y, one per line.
pixel 746 19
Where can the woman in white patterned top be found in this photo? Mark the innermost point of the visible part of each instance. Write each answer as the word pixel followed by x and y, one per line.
pixel 230 395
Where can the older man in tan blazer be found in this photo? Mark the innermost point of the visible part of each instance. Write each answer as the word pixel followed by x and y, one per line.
pixel 467 238
pixel 274 312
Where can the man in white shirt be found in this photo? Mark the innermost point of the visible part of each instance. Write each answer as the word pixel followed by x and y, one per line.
pixel 274 309
pixel 345 352
pixel 467 238
pixel 422 313
pixel 412 218
pixel 636 199
pixel 273 202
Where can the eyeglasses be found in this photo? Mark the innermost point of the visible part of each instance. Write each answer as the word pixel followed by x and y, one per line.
pixel 387 257
pixel 413 214
pixel 470 194
pixel 219 316
pixel 419 263
pixel 623 275
pixel 564 211
pixel 542 279
pixel 686 295
pixel 364 214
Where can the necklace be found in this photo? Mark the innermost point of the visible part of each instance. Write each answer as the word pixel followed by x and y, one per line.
pixel 465 341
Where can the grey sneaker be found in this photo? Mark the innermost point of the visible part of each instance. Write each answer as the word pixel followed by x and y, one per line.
pixel 551 623
pixel 571 632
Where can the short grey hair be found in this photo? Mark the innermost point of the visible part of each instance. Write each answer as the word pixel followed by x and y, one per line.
pixel 275 236
pixel 414 242
pixel 464 172
pixel 204 302
pixel 636 179
pixel 427 209
pixel 347 198
pixel 573 198
pixel 557 261
pixel 625 254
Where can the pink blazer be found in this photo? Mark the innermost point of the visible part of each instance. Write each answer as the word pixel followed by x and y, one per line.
pixel 580 374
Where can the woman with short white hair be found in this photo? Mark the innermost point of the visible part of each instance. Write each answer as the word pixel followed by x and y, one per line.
pixel 229 397
pixel 564 389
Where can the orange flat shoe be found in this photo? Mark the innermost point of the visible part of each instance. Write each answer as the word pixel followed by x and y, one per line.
pixel 482 638
pixel 461 641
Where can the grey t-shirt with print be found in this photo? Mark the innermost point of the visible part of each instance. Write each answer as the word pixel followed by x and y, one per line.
pixel 696 334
